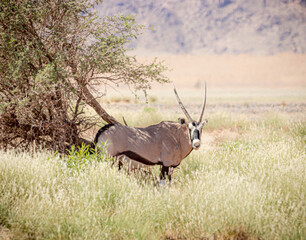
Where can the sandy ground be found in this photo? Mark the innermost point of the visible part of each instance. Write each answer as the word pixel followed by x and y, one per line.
pixel 286 70
pixel 243 79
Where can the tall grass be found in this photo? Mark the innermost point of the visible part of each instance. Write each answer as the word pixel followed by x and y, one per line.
pixel 246 188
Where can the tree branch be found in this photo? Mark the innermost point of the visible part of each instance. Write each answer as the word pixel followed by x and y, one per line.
pixel 91 101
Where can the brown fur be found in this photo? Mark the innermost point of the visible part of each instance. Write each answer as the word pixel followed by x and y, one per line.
pixel 166 143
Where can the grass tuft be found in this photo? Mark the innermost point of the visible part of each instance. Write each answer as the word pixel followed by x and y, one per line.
pixel 248 187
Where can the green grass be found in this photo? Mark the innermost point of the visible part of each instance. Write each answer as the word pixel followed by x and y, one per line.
pixel 248 187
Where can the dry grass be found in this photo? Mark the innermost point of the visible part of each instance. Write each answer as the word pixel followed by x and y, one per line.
pixel 248 183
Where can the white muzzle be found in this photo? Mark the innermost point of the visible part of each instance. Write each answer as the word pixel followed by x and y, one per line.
pixel 196 143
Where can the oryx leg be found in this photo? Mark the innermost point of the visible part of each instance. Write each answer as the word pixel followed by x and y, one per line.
pixel 117 161
pixel 164 174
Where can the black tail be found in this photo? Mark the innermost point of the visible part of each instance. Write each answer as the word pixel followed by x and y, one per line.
pixel 93 145
pixel 104 128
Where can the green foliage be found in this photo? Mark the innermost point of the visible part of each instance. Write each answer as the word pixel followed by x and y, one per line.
pixel 53 54
pixel 81 157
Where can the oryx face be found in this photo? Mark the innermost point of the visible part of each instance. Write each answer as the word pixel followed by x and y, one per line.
pixel 195 131
pixel 194 127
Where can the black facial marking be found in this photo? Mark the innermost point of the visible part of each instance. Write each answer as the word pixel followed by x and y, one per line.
pixel 195 134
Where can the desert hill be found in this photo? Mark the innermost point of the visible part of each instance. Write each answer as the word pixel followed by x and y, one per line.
pixel 216 26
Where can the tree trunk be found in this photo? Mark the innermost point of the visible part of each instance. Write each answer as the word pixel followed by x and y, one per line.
pixel 91 101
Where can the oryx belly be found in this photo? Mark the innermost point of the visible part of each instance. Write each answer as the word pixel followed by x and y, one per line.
pixel 131 164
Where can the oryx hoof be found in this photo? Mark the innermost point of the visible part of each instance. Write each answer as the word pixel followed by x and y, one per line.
pixel 162 183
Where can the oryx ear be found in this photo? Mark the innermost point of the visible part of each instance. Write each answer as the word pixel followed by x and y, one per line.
pixel 182 121
pixel 204 122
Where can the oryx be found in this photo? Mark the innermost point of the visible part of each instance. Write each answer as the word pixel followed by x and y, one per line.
pixel 166 143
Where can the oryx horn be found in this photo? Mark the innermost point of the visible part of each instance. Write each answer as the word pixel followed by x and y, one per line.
pixel 181 105
pixel 204 104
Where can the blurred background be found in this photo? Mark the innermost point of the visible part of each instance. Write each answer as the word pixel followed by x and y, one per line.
pixel 198 27
pixel 241 48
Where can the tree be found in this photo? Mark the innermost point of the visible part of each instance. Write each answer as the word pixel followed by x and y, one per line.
pixel 53 55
